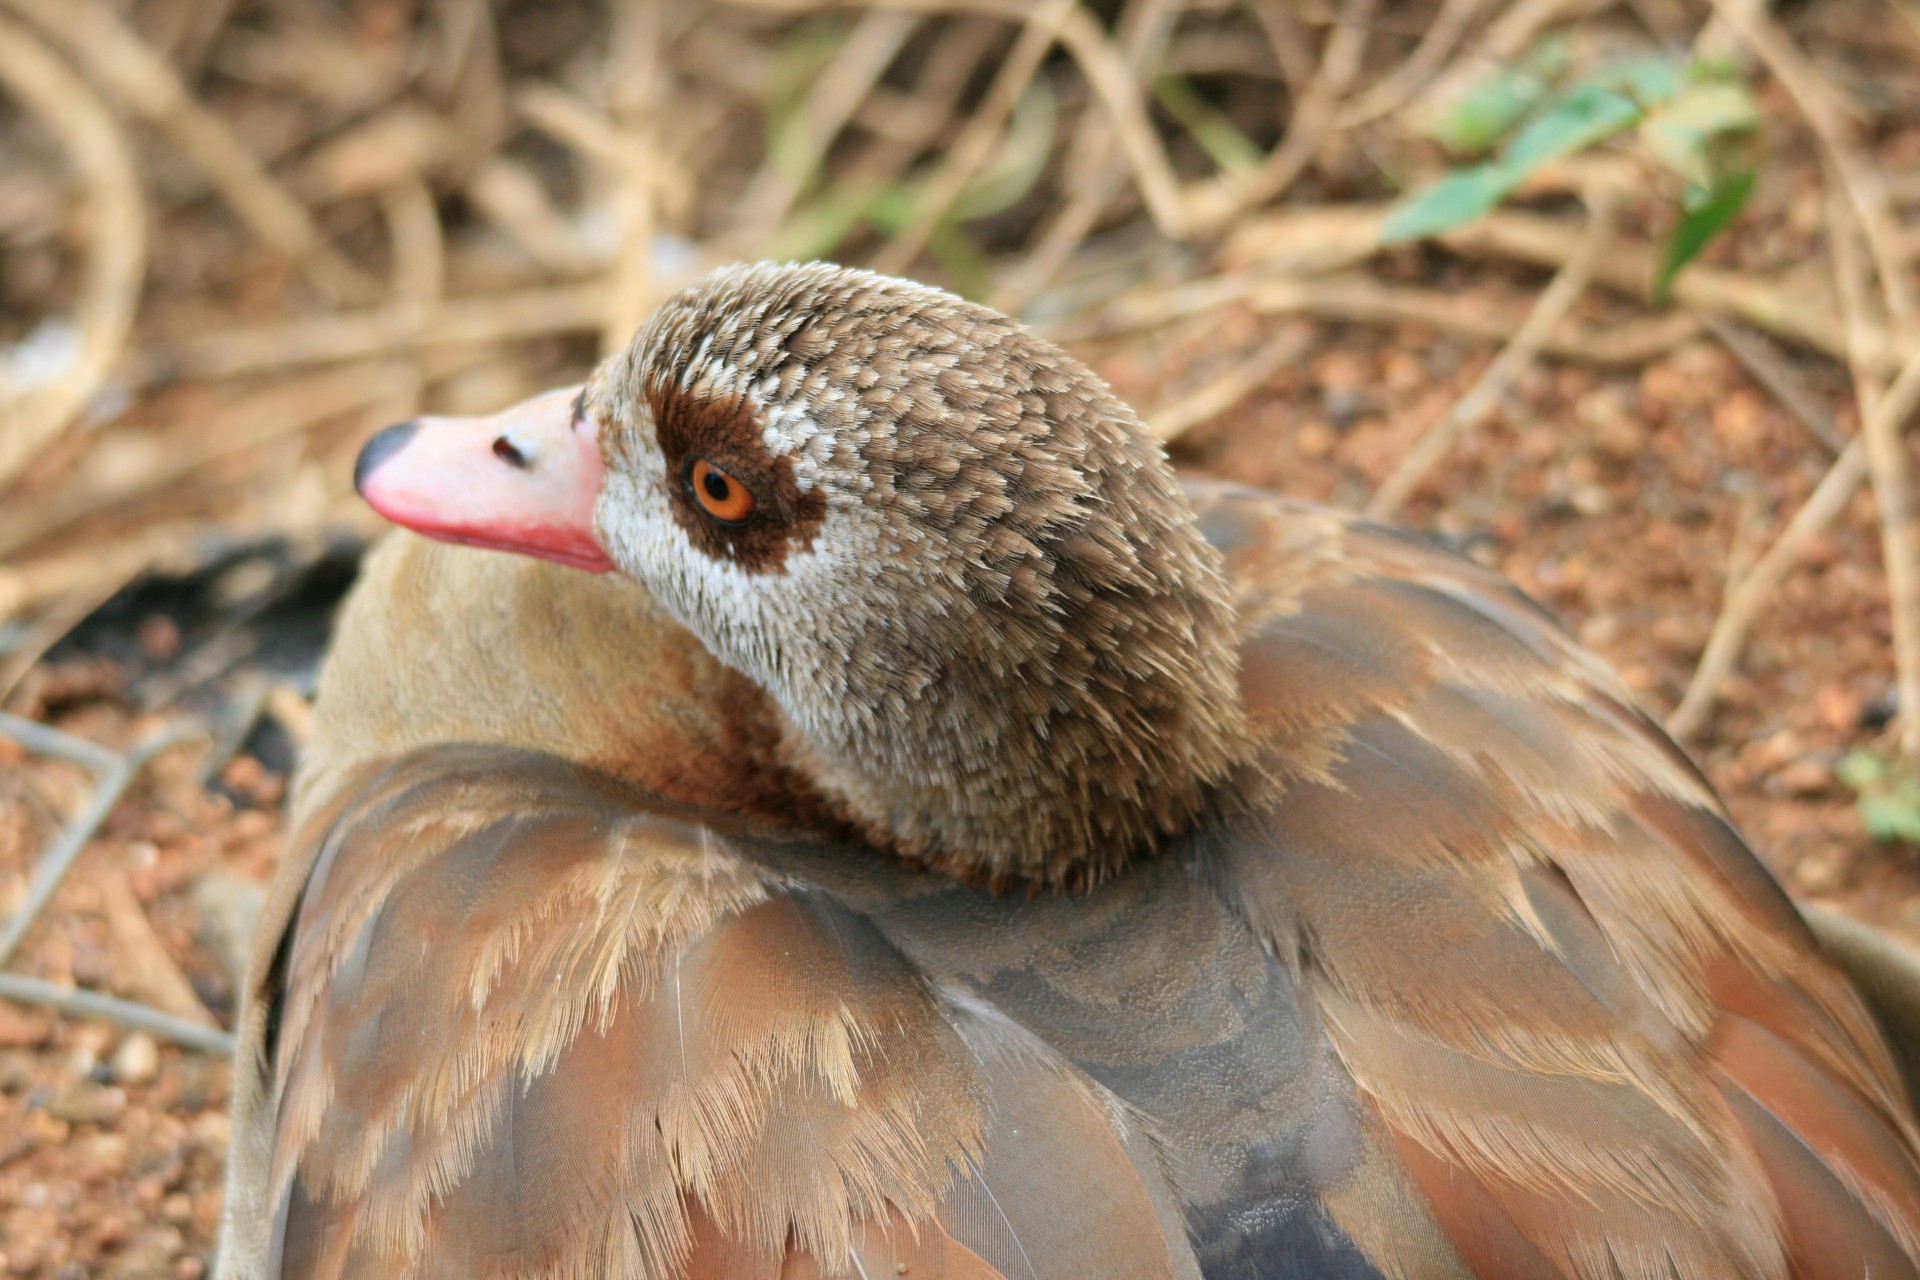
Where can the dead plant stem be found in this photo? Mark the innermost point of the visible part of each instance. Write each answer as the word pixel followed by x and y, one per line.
pixel 1747 597
pixel 1554 304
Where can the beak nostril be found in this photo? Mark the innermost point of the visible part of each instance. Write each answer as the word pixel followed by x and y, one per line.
pixel 377 450
pixel 508 452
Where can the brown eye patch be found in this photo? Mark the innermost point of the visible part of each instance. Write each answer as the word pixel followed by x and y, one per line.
pixel 736 501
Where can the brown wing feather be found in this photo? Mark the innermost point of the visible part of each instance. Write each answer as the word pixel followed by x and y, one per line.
pixel 1598 1034
pixel 535 1024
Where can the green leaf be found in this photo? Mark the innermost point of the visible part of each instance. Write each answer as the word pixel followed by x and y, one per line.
pixel 1702 221
pixel 787 146
pixel 1649 79
pixel 1020 160
pixel 1890 817
pixel 1702 134
pixel 1458 198
pixel 1582 116
pixel 1585 114
pixel 1861 768
pixel 1887 794
pixel 817 228
pixel 961 261
pixel 1218 136
pixel 894 205
pixel 796 63
pixel 1722 67
pixel 1487 112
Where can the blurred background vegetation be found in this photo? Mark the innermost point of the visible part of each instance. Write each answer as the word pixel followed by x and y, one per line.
pixel 1616 296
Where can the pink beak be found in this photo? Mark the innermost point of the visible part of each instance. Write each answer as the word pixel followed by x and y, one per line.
pixel 524 480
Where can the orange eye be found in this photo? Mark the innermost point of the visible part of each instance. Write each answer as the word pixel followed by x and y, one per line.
pixel 719 494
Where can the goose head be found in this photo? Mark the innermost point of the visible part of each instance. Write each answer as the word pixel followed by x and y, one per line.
pixel 948 553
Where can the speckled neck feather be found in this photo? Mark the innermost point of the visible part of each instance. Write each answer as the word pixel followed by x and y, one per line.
pixel 971 584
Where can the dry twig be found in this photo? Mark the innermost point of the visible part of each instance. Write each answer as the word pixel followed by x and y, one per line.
pixel 1106 72
pixel 1888 469
pixel 293 405
pixel 114 773
pixel 1365 300
pixel 975 143
pixel 633 110
pixel 78 1002
pixel 1553 305
pixel 1628 268
pixel 508 195
pixel 122 64
pixel 837 93
pixel 1859 179
pixel 354 335
pixel 1094 172
pixel 633 165
pixel 1504 39
pixel 1746 598
pixel 1766 364
pixel 116 249
pixel 1216 206
pixel 1246 376
pixel 1393 92
pixel 152 972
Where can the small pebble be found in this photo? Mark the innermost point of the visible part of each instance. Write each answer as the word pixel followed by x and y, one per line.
pixel 1314 441
pixel 159 636
pixel 1591 499
pixel 24 1027
pixel 1839 708
pixel 1807 776
pixel 88 1103
pixel 137 1060
pixel 1820 872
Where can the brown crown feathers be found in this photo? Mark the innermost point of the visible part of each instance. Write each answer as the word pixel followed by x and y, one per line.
pixel 971 583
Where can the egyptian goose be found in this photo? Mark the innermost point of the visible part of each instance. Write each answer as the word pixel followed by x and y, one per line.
pixel 973 856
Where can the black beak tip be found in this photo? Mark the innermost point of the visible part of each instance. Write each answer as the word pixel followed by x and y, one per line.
pixel 384 445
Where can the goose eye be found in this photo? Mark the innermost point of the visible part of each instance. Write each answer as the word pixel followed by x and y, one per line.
pixel 719 494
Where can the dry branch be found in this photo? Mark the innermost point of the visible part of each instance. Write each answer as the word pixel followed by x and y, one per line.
pixel 116 244
pixel 508 195
pixel 1215 207
pixel 1393 92
pixel 1887 467
pixel 1766 364
pixel 114 774
pixel 975 143
pixel 78 1002
pixel 353 335
pixel 1865 189
pixel 837 93
pixel 633 113
pixel 152 972
pixel 1247 376
pixel 1775 306
pixel 1106 72
pixel 1747 597
pixel 1093 174
pixel 1553 305
pixel 1505 38
pixel 633 164
pixel 1304 241
pixel 122 64
pixel 292 405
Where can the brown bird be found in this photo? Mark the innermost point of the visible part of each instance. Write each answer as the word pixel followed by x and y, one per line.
pixel 972 856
